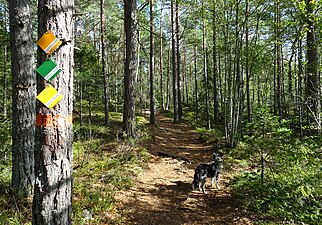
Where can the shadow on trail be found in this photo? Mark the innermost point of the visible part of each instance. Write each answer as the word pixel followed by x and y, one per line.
pixel 178 139
pixel 181 205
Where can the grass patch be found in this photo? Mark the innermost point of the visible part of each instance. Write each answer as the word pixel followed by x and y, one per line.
pixel 97 181
pixel 104 163
pixel 280 175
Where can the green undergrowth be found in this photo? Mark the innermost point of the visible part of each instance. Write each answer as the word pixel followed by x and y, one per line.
pixel 104 163
pixel 279 177
pixel 14 209
pixel 275 175
pixel 100 176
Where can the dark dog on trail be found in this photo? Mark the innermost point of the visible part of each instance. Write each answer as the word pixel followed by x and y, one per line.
pixel 204 170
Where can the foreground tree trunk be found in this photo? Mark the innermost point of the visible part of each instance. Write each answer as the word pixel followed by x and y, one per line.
pixel 23 96
pixel 130 68
pixel 54 135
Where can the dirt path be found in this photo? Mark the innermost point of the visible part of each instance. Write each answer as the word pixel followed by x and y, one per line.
pixel 163 194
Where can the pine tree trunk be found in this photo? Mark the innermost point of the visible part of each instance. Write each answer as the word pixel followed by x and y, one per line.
pixel 176 118
pixel 215 72
pixel 130 68
pixel 54 133
pixel 205 70
pixel 247 69
pixel 167 104
pixel 23 96
pixel 313 83
pixel 178 55
pixel 300 86
pixel 278 55
pixel 161 62
pixel 237 86
pixel 152 98
pixel 196 80
pixel 5 82
pixel 140 81
pixel 104 66
pixel 290 78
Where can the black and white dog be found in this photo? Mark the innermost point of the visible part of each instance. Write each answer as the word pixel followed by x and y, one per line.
pixel 204 170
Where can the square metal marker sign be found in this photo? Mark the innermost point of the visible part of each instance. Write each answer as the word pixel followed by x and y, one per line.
pixel 49 96
pixel 49 43
pixel 48 70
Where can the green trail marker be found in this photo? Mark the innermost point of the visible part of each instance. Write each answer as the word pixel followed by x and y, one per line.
pixel 48 70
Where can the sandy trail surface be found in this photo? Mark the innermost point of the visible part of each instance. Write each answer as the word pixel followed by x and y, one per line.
pixel 163 195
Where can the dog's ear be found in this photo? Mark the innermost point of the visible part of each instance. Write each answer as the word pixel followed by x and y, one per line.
pixel 217 154
pixel 220 154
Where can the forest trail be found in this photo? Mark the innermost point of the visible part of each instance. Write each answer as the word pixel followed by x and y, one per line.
pixel 163 195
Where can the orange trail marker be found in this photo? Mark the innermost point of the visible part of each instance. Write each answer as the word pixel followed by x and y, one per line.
pixel 48 42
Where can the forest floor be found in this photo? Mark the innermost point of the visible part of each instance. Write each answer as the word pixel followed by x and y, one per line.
pixel 163 195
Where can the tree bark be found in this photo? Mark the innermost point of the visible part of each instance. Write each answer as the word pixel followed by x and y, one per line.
pixel 167 103
pixel 5 81
pixel 23 96
pixel 130 68
pixel 313 83
pixel 196 80
pixel 54 132
pixel 215 72
pixel 278 64
pixel 152 97
pixel 104 66
pixel 161 61
pixel 178 62
pixel 205 69
pixel 300 85
pixel 247 68
pixel 176 118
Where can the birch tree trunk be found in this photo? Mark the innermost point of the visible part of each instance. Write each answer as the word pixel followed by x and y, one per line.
pixel 23 96
pixel 54 134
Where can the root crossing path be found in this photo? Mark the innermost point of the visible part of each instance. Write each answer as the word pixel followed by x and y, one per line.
pixel 163 195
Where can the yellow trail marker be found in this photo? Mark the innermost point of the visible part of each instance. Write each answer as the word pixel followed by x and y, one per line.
pixel 49 96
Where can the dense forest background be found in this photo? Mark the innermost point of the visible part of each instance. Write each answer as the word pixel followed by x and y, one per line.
pixel 247 70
